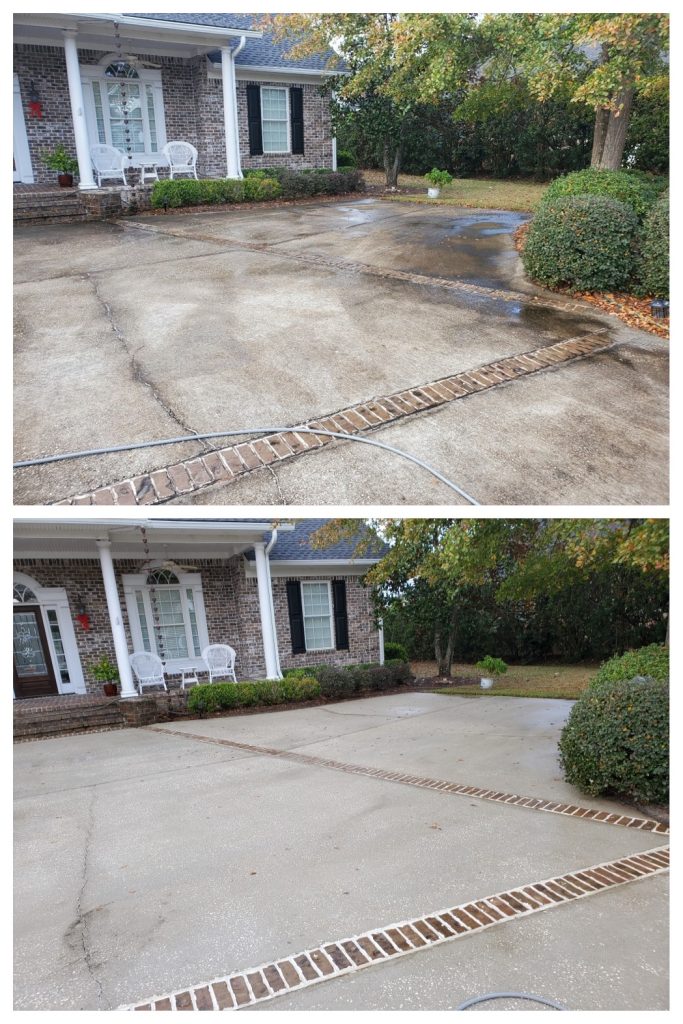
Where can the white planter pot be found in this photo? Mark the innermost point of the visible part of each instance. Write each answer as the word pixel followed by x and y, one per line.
pixel 433 193
pixel 486 684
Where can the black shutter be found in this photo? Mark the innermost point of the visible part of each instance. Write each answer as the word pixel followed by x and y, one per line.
pixel 296 617
pixel 341 621
pixel 254 119
pixel 296 114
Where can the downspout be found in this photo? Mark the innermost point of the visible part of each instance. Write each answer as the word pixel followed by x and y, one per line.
pixel 238 49
pixel 269 547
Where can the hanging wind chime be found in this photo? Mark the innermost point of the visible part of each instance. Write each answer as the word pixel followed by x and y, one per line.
pixel 123 93
pixel 156 618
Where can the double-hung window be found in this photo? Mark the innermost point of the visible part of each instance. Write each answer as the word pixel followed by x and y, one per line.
pixel 275 119
pixel 316 600
pixel 166 614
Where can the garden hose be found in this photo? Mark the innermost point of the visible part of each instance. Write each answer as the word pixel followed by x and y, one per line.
pixel 67 456
pixel 510 995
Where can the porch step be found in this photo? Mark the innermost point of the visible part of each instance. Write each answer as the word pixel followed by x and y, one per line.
pixel 64 721
pixel 48 206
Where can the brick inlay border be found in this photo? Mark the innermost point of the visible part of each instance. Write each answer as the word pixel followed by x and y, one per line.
pixel 439 785
pixel 345 956
pixel 227 464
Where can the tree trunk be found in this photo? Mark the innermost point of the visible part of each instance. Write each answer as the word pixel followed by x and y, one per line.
pixel 615 139
pixel 444 659
pixel 392 164
pixel 599 134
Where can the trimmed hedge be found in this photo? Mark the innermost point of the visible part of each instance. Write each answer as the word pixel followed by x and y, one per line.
pixel 394 651
pixel 652 661
pixel 583 242
pixel 616 740
pixel 633 189
pixel 654 243
pixel 209 697
pixel 256 186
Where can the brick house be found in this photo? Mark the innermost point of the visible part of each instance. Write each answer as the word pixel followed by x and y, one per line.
pixel 85 588
pixel 210 79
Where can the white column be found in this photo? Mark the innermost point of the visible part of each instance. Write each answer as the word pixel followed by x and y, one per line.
pixel 73 74
pixel 232 140
pixel 334 152
pixel 265 609
pixel 116 619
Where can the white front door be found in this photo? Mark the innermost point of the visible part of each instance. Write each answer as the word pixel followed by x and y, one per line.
pixel 22 157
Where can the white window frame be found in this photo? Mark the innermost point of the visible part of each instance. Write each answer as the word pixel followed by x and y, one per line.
pixel 317 583
pixel 146 76
pixel 132 582
pixel 276 152
pixel 55 599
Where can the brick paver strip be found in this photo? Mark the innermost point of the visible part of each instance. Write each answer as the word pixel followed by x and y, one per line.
pixel 375 946
pixel 223 465
pixel 450 788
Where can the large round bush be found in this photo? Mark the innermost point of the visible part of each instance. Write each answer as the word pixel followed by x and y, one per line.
pixel 616 740
pixel 652 661
pixel 635 190
pixel 584 242
pixel 654 267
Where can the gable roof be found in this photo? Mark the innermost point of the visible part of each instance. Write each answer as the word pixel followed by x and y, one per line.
pixel 262 53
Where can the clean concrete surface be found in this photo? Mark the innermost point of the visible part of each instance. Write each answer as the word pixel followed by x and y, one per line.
pixel 163 326
pixel 145 862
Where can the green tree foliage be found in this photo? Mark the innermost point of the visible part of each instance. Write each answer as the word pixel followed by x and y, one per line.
pixel 654 266
pixel 526 588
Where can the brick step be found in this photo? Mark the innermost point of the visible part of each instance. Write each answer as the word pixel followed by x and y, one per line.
pixel 63 721
pixel 23 200
pixel 49 209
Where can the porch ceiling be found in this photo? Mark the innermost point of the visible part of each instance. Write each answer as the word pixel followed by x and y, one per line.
pixel 167 539
pixel 96 31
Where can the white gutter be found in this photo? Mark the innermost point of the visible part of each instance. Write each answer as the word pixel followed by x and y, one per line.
pixel 177 27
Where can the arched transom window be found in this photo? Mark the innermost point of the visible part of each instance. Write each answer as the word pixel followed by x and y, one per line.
pixel 121 69
pixel 24 594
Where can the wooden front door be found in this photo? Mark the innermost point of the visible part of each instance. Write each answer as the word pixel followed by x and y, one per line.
pixel 33 672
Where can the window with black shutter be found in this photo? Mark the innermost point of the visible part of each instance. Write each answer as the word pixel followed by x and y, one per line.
pixel 296 617
pixel 296 116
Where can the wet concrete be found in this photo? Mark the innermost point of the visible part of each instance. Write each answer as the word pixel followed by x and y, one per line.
pixel 165 326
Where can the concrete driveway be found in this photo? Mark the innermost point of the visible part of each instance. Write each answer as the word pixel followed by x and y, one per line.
pixel 166 325
pixel 153 861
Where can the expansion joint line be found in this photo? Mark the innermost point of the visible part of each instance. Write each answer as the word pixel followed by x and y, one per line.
pixel 438 785
pixel 330 960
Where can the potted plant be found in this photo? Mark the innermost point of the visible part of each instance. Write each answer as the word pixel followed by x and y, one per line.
pixel 60 161
pixel 105 672
pixel 437 179
pixel 490 669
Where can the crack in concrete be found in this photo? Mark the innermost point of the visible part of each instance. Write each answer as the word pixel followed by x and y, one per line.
pixel 281 497
pixel 80 926
pixel 137 372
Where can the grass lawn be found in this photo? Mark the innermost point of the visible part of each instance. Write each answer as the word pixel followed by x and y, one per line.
pixel 564 681
pixel 478 193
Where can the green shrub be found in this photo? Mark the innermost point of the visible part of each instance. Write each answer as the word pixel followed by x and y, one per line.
pixel 297 673
pixel 633 189
pixel 584 242
pixel 616 740
pixel 208 697
pixel 394 650
pixel 336 682
pixel 652 660
pixel 654 250
pixel 438 178
pixel 302 185
pixel 345 157
pixel 258 189
pixel 492 666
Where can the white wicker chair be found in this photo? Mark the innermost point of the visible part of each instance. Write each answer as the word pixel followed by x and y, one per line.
pixel 182 158
pixel 108 162
pixel 220 661
pixel 148 669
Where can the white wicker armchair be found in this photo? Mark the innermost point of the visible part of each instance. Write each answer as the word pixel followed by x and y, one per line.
pixel 220 661
pixel 182 158
pixel 108 162
pixel 148 669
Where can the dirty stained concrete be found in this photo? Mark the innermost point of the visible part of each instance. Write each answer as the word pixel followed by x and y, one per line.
pixel 128 842
pixel 167 325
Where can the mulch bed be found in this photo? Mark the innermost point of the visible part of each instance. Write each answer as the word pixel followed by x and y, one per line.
pixel 631 310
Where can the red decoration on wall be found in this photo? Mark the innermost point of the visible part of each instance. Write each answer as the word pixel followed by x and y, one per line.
pixel 35 108
pixel 84 620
